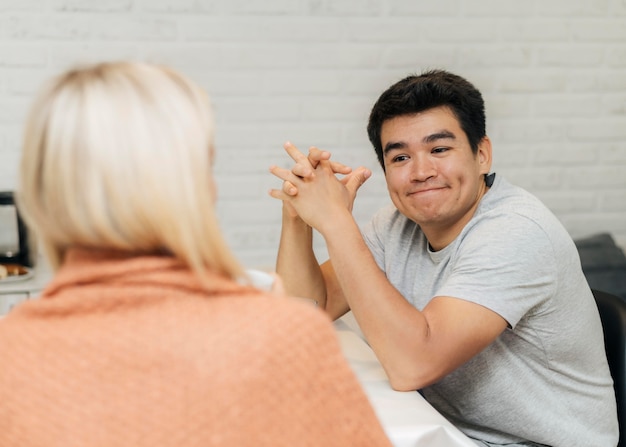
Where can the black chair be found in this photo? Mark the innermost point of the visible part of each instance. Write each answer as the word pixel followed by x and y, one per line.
pixel 613 315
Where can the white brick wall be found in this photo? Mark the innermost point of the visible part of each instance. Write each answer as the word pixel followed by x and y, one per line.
pixel 553 73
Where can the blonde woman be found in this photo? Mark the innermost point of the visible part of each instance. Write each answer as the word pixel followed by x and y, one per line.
pixel 145 336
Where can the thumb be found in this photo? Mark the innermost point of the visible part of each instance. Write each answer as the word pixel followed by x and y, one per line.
pixel 357 178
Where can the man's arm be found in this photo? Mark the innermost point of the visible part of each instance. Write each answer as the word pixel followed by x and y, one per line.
pixel 416 348
pixel 296 262
pixel 300 272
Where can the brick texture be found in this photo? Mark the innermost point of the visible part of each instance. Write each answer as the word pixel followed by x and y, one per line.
pixel 553 75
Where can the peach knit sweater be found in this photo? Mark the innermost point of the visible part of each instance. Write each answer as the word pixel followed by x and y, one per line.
pixel 134 352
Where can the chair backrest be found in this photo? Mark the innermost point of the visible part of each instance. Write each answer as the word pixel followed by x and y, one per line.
pixel 613 315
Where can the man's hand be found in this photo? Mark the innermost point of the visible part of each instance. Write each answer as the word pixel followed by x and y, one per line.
pixel 311 189
pixel 305 165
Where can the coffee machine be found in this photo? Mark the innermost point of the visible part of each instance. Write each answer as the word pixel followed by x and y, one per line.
pixel 17 244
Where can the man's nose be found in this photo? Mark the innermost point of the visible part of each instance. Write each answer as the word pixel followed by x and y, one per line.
pixel 423 168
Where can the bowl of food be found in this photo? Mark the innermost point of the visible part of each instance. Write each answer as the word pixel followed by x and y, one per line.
pixel 14 272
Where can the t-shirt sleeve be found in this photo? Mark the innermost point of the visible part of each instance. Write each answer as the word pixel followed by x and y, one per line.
pixel 505 263
pixel 375 232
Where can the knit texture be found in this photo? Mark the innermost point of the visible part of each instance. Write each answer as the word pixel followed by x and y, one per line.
pixel 135 351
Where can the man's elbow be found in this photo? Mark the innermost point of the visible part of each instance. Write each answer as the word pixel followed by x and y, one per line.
pixel 402 381
pixel 402 386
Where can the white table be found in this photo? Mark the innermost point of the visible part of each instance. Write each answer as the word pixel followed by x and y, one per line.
pixel 408 419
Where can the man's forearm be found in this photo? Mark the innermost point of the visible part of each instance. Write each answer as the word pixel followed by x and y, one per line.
pixel 296 262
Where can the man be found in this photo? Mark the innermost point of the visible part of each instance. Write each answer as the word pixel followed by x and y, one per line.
pixel 467 288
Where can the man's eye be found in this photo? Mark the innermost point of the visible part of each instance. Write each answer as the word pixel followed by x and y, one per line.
pixel 439 150
pixel 399 158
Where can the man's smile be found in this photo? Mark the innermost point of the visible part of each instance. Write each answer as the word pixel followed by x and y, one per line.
pixel 425 190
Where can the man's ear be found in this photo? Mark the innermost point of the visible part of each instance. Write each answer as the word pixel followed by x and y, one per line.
pixel 484 155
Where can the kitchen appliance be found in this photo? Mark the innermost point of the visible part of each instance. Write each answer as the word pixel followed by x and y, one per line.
pixel 17 243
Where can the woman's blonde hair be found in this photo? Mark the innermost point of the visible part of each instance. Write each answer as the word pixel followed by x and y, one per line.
pixel 119 156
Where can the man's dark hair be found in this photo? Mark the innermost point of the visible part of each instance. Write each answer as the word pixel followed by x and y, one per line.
pixel 418 93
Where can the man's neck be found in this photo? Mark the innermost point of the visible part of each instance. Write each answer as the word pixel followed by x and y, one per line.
pixel 440 235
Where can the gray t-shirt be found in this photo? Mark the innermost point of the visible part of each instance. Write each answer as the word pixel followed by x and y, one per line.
pixel 545 380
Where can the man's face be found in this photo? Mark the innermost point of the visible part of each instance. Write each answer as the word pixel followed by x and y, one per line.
pixel 432 175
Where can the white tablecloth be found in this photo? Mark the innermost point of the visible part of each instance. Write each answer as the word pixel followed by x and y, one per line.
pixel 408 419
